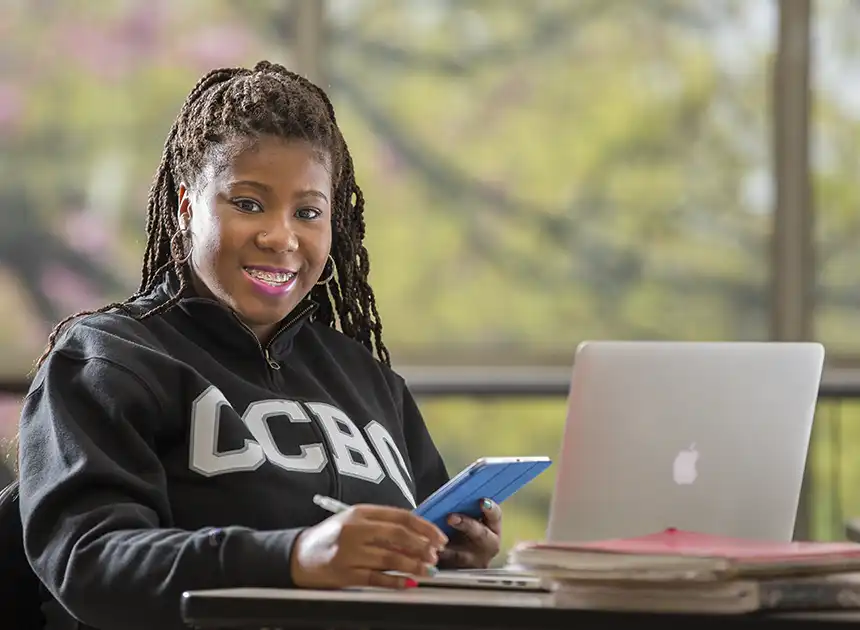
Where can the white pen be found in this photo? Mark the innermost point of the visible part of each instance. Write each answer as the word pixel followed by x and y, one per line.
pixel 331 505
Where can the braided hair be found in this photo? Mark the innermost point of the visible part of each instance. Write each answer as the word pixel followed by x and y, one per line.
pixel 230 103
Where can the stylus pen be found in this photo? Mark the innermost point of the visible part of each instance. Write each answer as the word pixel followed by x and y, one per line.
pixel 331 505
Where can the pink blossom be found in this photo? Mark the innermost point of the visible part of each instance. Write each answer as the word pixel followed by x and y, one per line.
pixel 216 46
pixel 87 233
pixel 389 161
pixel 69 291
pixel 140 32
pixel 11 104
pixel 100 53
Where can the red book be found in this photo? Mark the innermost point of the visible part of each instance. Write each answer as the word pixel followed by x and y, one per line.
pixel 675 554
pixel 675 542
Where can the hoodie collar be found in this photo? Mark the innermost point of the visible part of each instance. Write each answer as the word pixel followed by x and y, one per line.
pixel 224 325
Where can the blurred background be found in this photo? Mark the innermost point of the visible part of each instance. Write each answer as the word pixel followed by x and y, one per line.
pixel 537 173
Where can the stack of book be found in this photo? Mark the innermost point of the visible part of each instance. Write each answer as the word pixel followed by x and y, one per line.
pixel 679 571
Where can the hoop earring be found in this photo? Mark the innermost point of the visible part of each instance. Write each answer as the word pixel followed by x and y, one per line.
pixel 330 275
pixel 174 245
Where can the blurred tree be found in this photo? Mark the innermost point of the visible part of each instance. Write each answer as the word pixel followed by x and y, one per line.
pixel 577 169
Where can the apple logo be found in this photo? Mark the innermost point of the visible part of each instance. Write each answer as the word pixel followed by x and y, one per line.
pixel 684 468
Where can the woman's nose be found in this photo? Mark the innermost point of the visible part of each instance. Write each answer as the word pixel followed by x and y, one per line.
pixel 280 238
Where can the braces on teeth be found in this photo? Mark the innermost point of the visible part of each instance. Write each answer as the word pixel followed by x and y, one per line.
pixel 271 277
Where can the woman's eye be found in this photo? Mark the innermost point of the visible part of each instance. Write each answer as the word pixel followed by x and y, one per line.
pixel 308 213
pixel 247 205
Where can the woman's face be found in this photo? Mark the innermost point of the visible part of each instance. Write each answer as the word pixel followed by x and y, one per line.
pixel 260 226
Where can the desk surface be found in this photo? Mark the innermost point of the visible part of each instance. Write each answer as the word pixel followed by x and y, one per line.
pixel 446 608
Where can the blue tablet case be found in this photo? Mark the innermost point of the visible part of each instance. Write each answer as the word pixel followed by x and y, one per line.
pixel 491 480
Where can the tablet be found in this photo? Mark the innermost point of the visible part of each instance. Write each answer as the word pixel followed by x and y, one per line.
pixel 495 478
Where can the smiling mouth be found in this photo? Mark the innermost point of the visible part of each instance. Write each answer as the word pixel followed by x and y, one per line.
pixel 272 278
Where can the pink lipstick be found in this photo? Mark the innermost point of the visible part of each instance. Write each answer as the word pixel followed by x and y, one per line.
pixel 271 280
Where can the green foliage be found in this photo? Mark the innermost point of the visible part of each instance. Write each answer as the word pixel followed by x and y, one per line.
pixel 591 187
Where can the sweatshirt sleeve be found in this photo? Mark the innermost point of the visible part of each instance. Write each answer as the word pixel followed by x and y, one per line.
pixel 95 508
pixel 427 465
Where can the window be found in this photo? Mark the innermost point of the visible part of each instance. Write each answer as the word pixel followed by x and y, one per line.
pixel 540 173
pixel 836 165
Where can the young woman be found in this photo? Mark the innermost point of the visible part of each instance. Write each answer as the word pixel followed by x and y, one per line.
pixel 175 441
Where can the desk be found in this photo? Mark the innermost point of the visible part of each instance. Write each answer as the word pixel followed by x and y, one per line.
pixel 473 609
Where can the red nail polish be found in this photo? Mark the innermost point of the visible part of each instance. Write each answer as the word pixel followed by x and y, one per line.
pixel 410 583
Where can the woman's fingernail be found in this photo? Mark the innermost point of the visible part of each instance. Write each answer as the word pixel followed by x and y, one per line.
pixel 454 519
pixel 431 570
pixel 488 505
pixel 410 583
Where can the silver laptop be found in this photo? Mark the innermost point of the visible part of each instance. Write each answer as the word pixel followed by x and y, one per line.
pixel 709 437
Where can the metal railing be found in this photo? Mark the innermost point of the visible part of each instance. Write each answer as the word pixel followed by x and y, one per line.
pixel 823 499
pixel 505 382
pixel 519 382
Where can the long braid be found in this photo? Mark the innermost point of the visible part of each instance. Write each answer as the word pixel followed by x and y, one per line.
pixel 269 99
pixel 360 299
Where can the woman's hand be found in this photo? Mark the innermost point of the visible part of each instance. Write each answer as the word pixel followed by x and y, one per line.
pixel 357 546
pixel 477 541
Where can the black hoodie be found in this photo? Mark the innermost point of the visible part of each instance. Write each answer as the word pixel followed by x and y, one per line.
pixel 178 453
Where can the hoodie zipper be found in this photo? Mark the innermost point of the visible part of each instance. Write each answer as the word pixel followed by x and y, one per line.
pixel 275 366
pixel 264 350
